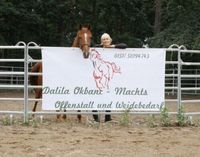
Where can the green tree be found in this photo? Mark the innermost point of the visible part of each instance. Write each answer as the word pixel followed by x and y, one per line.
pixel 180 24
pixel 55 22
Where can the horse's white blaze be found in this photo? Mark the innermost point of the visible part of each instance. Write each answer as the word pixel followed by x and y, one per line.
pixel 85 35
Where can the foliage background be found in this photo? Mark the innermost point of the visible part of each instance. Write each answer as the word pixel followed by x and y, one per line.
pixel 55 22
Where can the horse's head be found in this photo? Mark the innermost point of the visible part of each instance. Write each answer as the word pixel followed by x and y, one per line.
pixel 83 39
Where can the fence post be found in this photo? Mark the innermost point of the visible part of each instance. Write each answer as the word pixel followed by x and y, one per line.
pixel 179 80
pixel 179 75
pixel 26 96
pixel 25 79
pixel 26 84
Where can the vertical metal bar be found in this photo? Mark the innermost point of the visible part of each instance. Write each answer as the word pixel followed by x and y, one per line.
pixel 26 84
pixel 179 81
pixel 196 81
pixel 26 96
pixel 11 81
pixel 173 81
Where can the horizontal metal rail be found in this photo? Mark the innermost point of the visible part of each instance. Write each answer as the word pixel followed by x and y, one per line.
pixel 18 86
pixel 190 63
pixel 12 112
pixel 12 60
pixel 11 86
pixel 19 99
pixel 171 62
pixel 191 101
pixel 190 76
pixel 190 51
pixel 35 60
pixel 187 88
pixel 12 47
pixel 12 99
pixel 11 73
pixel 34 74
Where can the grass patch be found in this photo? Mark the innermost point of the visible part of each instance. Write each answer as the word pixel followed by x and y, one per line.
pixel 151 121
pixel 125 118
pixel 180 117
pixel 165 119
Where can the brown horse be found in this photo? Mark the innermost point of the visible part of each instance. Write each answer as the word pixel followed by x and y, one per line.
pixel 83 41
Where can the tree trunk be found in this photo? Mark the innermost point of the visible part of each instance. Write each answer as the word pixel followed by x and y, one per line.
pixel 157 23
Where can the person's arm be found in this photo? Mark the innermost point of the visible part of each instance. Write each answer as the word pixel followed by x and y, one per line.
pixel 98 45
pixel 121 46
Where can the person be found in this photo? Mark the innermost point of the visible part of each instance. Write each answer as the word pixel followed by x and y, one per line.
pixel 106 42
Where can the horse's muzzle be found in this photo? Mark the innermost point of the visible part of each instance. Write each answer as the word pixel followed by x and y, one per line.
pixel 86 54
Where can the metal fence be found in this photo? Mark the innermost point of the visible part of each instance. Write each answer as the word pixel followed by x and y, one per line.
pixel 179 79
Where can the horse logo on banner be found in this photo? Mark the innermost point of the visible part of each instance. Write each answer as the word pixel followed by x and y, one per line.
pixel 103 70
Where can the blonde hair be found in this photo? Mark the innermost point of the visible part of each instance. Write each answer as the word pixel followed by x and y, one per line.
pixel 105 35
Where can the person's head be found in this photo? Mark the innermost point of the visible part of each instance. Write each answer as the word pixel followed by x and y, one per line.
pixel 106 40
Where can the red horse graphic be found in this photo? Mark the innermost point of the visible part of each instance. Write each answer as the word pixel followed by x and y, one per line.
pixel 103 70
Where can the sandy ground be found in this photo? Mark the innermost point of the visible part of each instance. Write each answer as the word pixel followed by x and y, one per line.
pixel 68 138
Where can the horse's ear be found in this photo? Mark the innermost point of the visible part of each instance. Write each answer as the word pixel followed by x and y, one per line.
pixel 80 26
pixel 84 25
pixel 89 27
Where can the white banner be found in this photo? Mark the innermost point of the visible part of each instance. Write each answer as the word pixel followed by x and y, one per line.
pixel 110 79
